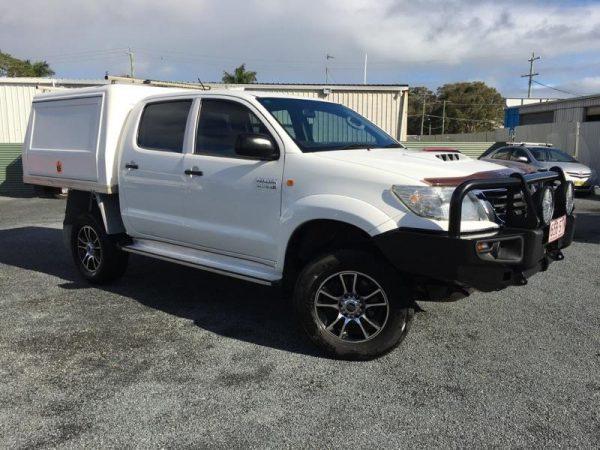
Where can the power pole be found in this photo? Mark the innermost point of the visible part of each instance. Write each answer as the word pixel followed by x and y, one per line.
pixel 131 63
pixel 423 117
pixel 365 72
pixel 530 75
pixel 443 116
pixel 327 58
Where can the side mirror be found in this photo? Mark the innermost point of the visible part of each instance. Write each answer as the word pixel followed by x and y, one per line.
pixel 523 159
pixel 256 146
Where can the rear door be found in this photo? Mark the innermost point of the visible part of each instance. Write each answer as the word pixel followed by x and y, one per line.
pixel 152 182
pixel 233 204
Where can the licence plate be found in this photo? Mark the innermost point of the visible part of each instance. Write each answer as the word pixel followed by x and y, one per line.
pixel 557 229
pixel 579 183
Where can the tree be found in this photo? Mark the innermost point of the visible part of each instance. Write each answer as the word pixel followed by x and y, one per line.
pixel 470 107
pixel 239 76
pixel 14 67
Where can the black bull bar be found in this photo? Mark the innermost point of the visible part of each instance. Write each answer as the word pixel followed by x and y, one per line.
pixel 517 182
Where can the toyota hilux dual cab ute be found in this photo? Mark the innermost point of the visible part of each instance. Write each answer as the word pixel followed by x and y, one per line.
pixel 297 192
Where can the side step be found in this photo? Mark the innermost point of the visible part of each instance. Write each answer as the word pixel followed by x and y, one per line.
pixel 211 262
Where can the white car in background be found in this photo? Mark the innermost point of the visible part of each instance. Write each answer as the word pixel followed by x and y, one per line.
pixel 545 157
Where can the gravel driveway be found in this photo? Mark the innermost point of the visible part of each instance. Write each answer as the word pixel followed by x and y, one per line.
pixel 170 356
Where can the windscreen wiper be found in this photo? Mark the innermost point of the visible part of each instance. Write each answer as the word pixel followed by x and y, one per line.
pixel 355 146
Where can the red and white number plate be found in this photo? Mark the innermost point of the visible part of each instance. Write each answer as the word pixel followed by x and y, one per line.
pixel 557 229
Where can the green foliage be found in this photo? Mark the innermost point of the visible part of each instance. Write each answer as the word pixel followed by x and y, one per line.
pixel 470 107
pixel 239 76
pixel 14 67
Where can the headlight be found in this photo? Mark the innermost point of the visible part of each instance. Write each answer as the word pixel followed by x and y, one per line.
pixel 434 203
pixel 569 198
pixel 546 205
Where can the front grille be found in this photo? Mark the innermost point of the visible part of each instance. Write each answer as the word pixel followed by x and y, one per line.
pixel 580 175
pixel 503 203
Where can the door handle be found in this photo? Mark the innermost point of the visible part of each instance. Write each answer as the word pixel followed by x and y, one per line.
pixel 131 165
pixel 198 173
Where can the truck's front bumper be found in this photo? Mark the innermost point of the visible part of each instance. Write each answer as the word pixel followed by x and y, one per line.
pixel 518 255
pixel 486 261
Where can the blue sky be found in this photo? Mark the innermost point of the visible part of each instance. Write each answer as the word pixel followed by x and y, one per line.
pixel 419 42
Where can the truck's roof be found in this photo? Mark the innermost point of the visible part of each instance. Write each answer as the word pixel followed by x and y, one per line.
pixel 155 92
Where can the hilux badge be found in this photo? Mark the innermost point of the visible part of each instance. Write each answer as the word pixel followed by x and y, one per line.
pixel 266 183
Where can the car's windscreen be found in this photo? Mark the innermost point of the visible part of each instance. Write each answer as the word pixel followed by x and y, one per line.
pixel 551 155
pixel 321 126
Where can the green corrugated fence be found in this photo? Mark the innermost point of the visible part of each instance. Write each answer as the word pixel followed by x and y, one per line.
pixel 11 171
pixel 472 149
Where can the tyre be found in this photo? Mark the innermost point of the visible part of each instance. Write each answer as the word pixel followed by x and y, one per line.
pixel 353 305
pixel 96 254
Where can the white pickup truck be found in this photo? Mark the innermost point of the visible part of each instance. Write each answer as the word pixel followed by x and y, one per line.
pixel 287 191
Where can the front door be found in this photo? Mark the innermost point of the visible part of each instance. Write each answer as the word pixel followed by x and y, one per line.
pixel 152 183
pixel 233 204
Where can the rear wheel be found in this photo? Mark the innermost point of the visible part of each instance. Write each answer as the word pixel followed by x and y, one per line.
pixel 353 304
pixel 96 254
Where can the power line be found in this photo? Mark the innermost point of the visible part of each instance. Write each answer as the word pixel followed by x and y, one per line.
pixel 559 90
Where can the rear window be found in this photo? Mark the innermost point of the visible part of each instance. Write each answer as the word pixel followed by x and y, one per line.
pixel 162 126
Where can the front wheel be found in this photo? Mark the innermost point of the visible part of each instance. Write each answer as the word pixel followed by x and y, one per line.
pixel 95 253
pixel 353 304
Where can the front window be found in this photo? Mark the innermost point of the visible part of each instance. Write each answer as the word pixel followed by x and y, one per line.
pixel 220 124
pixel 551 155
pixel 321 126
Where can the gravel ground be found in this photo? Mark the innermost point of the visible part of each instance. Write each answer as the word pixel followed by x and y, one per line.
pixel 170 356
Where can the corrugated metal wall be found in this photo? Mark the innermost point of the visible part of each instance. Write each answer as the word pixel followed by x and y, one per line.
pixel 589 145
pixel 383 108
pixel 15 105
pixel 11 171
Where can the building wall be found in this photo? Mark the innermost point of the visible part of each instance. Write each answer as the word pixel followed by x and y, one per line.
pixel 15 105
pixel 385 106
pixel 570 110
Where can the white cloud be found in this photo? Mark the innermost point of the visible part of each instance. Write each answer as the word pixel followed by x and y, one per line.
pixel 286 40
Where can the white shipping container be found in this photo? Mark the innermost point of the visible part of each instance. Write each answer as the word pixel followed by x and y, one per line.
pixel 73 135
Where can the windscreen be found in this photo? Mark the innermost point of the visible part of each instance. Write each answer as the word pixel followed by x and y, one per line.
pixel 322 126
